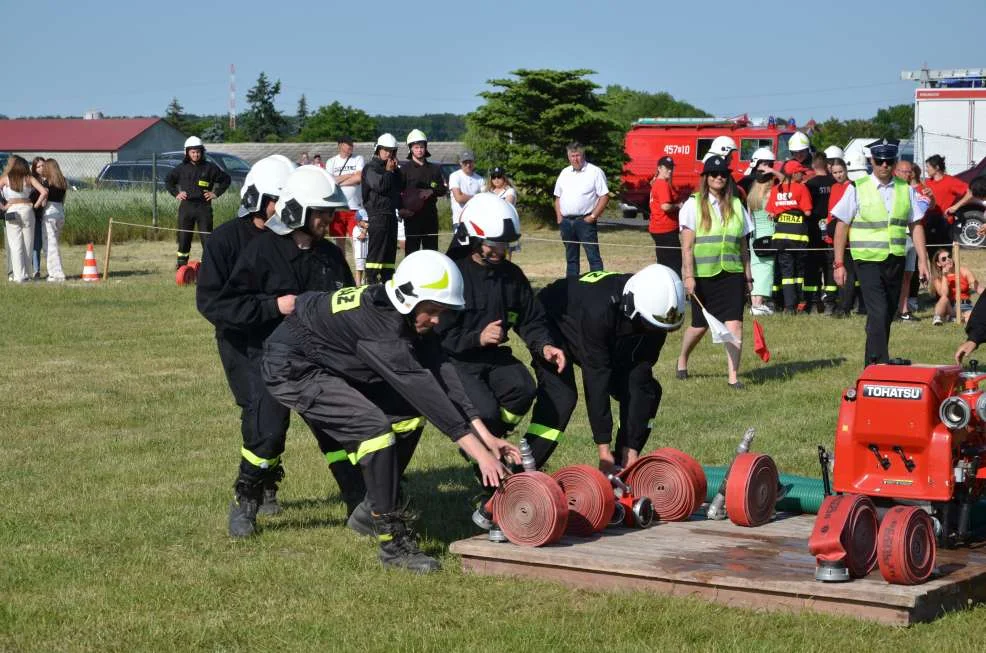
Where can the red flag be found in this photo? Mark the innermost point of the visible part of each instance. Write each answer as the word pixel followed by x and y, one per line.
pixel 760 343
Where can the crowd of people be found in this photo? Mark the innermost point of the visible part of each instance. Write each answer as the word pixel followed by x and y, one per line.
pixel 32 198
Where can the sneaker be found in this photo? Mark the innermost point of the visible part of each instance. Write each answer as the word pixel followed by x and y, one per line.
pixel 681 375
pixel 398 546
pixel 243 510
pixel 56 279
pixel 909 317
pixel 936 320
pixel 763 309
pixel 361 520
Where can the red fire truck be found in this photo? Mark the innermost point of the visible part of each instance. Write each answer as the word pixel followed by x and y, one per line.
pixel 686 140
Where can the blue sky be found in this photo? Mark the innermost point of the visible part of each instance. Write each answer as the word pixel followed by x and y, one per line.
pixel 807 60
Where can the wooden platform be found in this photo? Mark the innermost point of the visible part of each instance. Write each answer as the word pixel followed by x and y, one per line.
pixel 763 568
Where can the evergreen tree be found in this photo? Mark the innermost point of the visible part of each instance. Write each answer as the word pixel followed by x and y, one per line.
pixel 301 116
pixel 262 121
pixel 175 115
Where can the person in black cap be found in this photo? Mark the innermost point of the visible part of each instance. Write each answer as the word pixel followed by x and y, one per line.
pixel 881 208
pixel 423 185
pixel 500 185
pixel 664 207
pixel 715 262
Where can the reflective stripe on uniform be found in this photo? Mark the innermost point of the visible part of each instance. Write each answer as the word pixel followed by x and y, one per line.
pixel 257 461
pixel 510 418
pixel 408 425
pixel 379 266
pixel 545 432
pixel 372 445
pixel 335 456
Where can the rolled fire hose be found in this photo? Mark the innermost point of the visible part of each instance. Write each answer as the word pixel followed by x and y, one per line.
pixel 671 479
pixel 185 275
pixel 843 539
pixel 531 509
pixel 906 546
pixel 589 496
pixel 752 489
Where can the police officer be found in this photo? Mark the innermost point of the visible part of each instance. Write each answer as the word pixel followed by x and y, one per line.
pixel 881 208
pixel 381 186
pixel 425 179
pixel 361 366
pixel 290 258
pixel 240 357
pixel 613 326
pixel 498 297
pixel 195 182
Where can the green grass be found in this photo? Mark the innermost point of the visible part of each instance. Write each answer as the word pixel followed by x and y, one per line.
pixel 120 443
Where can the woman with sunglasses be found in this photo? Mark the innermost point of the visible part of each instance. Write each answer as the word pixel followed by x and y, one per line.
pixel 950 193
pixel 943 285
pixel 501 186
pixel 715 263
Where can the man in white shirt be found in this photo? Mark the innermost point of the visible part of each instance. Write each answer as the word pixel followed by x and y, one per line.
pixel 347 171
pixel 581 195
pixel 463 184
pixel 878 206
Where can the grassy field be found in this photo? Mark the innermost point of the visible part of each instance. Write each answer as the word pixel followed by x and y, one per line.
pixel 120 443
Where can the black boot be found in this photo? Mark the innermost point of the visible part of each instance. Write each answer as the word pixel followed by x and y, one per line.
pixel 398 547
pixel 243 509
pixel 269 504
pixel 360 520
pixel 182 260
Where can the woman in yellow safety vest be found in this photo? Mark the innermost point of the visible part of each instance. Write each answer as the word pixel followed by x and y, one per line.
pixel 715 262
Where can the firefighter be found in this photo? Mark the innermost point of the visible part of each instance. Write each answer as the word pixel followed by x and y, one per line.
pixel 240 359
pixel 613 326
pixel 195 183
pixel 361 366
pixel 498 298
pixel 288 259
pixel 381 187
pixel 790 205
pixel 800 148
pixel 425 179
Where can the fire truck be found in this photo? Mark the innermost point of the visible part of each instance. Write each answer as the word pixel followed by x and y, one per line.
pixel 686 141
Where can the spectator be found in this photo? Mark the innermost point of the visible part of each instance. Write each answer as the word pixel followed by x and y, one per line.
pixel 304 160
pixel 581 195
pixel 906 170
pixel 847 294
pixel 423 185
pixel 381 186
pixel 950 194
pixel 317 161
pixel 346 170
pixel 53 218
pixel 943 286
pixel 819 284
pixel 464 184
pixel 359 230
pixel 17 184
pixel 714 226
pixel 761 265
pixel 790 206
pixel 663 226
pixel 501 186
pixel 38 172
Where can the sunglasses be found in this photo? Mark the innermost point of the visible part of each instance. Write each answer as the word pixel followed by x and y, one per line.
pixel 719 175
pixel 942 259
pixel 496 176
pixel 884 162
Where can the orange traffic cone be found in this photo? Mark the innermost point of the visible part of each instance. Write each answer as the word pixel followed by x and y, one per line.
pixel 89 270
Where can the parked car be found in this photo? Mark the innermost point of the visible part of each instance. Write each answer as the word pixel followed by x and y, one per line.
pixel 234 166
pixel 133 174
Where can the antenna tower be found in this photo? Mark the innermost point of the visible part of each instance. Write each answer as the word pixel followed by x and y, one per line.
pixel 232 96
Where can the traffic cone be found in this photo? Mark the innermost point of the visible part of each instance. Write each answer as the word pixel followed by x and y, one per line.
pixel 89 270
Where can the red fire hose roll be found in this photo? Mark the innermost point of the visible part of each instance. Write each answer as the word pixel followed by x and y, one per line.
pixel 590 499
pixel 185 275
pixel 531 509
pixel 673 481
pixel 845 531
pixel 751 490
pixel 906 546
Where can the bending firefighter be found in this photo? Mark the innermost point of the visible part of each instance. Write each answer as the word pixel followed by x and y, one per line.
pixel 361 366
pixel 291 257
pixel 195 183
pixel 613 326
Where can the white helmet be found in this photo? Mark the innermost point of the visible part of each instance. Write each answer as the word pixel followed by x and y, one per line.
pixel 655 294
pixel 762 154
pixel 492 218
pixel 722 145
pixel 834 152
pixel 856 166
pixel 193 141
pixel 265 179
pixel 307 188
pixel 386 141
pixel 798 142
pixel 415 136
pixel 425 276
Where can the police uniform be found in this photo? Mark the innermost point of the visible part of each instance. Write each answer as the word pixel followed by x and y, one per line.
pixel 499 385
pixel 271 266
pixel 195 211
pixel 879 215
pixel 355 369
pixel 381 190
pixel 617 359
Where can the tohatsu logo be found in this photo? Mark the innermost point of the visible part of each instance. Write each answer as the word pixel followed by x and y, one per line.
pixel 677 149
pixel 892 392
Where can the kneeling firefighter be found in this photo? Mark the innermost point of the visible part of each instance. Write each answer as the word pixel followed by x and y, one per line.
pixel 498 297
pixel 613 326
pixel 361 366
pixel 289 258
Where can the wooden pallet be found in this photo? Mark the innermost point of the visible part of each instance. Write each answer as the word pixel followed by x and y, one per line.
pixel 763 568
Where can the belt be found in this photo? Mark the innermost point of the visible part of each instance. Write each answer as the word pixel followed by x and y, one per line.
pixel 575 217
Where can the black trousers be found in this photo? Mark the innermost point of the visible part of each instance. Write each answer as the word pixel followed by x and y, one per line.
pixel 499 386
pixel 849 293
pixel 830 291
pixel 193 216
pixel 792 266
pixel 378 430
pixel 636 390
pixel 667 250
pixel 880 285
pixel 811 287
pixel 381 248
pixel 421 232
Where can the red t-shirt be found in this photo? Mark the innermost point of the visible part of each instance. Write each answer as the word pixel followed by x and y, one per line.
pixel 947 191
pixel 661 221
pixel 787 196
pixel 835 194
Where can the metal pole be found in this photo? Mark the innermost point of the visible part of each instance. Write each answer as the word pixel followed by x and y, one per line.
pixel 958 281
pixel 154 186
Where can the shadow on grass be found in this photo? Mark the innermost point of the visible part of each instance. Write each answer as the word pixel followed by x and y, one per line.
pixel 120 274
pixel 786 370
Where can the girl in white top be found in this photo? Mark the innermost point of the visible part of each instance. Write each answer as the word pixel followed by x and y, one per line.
pixel 501 186
pixel 18 214
pixel 54 218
